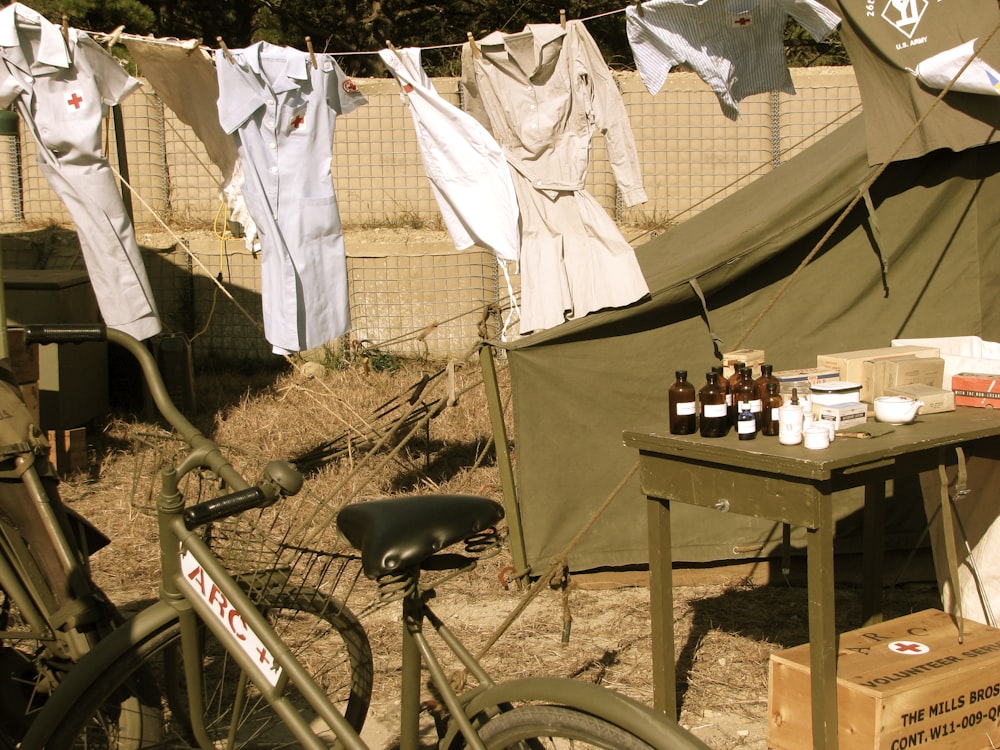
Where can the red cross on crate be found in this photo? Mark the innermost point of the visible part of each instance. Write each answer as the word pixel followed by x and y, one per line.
pixel 908 647
pixel 75 100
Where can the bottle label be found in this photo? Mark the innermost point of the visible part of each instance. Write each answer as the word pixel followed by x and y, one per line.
pixel 756 405
pixel 746 426
pixel 686 408
pixel 775 415
pixel 713 410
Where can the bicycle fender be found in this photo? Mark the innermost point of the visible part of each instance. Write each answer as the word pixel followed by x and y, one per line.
pixel 652 727
pixel 78 680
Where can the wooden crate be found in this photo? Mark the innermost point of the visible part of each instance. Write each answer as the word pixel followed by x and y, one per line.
pixel 68 449
pixel 23 357
pixel 901 684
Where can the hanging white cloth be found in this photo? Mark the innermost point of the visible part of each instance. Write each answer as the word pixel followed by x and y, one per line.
pixel 467 170
pixel 62 88
pixel 283 109
pixel 979 77
pixel 545 92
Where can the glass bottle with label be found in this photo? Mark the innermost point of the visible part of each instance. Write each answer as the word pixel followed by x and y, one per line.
pixel 770 423
pixel 752 396
pixel 714 415
pixel 724 384
pixel 683 409
pixel 746 424
pixel 743 393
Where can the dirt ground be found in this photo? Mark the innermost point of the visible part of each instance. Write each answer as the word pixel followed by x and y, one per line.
pixel 725 632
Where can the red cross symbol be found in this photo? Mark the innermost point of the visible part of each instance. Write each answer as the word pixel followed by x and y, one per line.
pixel 262 655
pixel 75 101
pixel 908 647
pixel 298 122
pixel 742 20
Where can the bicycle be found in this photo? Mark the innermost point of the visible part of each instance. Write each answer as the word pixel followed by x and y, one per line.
pixel 51 612
pixel 272 699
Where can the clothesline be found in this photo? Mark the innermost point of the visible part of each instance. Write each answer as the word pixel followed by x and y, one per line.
pixel 192 44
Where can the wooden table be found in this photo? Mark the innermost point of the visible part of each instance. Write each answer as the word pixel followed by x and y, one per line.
pixel 792 485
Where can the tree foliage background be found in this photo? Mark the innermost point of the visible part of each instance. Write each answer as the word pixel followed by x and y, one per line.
pixel 341 26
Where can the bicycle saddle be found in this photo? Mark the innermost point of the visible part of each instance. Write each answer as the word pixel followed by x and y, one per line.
pixel 397 533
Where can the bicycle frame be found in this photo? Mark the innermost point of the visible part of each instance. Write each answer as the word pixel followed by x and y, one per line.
pixel 198 587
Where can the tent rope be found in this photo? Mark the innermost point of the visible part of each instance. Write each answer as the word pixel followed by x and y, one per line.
pixel 861 192
pixel 558 572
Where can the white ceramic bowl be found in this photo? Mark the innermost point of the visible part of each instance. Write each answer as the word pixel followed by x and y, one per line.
pixel 896 409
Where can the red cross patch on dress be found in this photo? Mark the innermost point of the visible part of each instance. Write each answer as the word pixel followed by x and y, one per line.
pixel 350 86
pixel 743 19
pixel 74 101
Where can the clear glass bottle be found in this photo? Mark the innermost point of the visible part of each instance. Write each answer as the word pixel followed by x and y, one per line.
pixel 714 421
pixel 683 409
pixel 770 420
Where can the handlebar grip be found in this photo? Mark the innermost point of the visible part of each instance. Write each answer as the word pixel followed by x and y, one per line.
pixel 64 333
pixel 225 506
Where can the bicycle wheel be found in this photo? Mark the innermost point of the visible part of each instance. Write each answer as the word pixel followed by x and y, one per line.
pixel 30 671
pixel 234 712
pixel 537 727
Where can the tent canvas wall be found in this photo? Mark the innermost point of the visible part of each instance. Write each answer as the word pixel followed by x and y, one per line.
pixel 576 387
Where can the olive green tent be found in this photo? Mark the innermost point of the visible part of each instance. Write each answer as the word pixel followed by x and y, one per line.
pixel 916 256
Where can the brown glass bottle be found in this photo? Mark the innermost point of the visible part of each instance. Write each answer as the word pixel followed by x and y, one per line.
pixel 769 423
pixel 714 421
pixel 683 409
pixel 724 384
pixel 766 377
pixel 736 377
pixel 744 392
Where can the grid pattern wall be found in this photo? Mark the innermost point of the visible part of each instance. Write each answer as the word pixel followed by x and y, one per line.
pixel 691 157
pixel 420 305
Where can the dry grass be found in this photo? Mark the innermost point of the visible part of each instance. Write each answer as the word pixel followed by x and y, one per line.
pixel 724 633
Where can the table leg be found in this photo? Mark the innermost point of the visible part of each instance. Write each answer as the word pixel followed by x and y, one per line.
pixel 822 632
pixel 661 607
pixel 872 558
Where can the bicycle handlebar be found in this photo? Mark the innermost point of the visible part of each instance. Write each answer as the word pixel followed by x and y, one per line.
pixel 222 507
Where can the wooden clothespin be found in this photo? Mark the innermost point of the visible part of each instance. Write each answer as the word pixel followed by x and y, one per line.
pixel 225 50
pixel 312 54
pixel 65 27
pixel 391 46
pixel 115 36
pixel 562 17
pixel 638 7
pixel 475 47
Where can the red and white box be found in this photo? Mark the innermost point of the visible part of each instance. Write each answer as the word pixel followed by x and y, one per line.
pixel 976 389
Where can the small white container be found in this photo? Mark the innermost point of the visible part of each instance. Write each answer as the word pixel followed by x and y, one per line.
pixel 790 424
pixel 816 437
